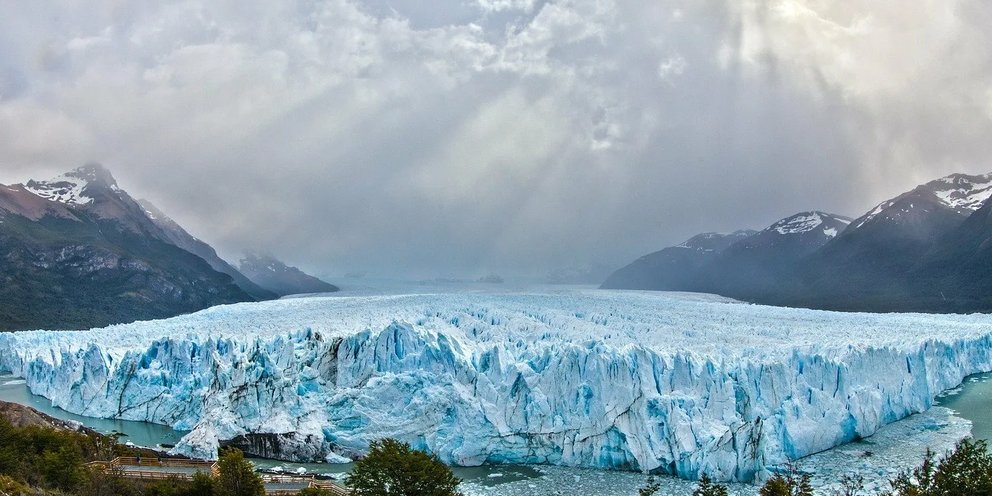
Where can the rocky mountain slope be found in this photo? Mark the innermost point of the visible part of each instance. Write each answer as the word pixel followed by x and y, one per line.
pixel 868 266
pixel 275 276
pixel 77 252
pixel 178 236
pixel 957 271
pixel 756 265
pixel 25 416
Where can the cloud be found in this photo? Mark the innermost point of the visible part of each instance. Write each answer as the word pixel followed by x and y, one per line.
pixel 497 135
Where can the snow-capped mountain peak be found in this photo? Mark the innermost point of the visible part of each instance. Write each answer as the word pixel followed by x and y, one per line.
pixel 71 188
pixel 962 193
pixel 804 222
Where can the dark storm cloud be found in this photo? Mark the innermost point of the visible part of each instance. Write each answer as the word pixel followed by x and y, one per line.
pixel 496 135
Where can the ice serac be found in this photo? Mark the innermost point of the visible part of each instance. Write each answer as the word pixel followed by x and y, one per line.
pixel 673 383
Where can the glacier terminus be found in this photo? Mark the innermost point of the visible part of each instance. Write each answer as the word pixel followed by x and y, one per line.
pixel 675 383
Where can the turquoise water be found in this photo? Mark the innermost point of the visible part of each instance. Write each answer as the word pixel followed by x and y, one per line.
pixel 140 433
pixel 973 401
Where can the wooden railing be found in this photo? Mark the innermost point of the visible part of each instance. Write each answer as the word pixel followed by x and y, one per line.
pixel 311 481
pixel 118 465
pixel 330 487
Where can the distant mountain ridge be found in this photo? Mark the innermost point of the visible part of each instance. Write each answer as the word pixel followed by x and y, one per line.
pixel 274 275
pixel 924 250
pixel 78 252
pixel 178 236
pixel 676 268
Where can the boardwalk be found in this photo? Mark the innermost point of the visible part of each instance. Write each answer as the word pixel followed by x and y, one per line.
pixel 156 468
pixel 170 468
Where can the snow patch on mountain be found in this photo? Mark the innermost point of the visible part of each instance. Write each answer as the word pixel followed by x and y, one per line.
pixel 70 188
pixel 798 224
pixel 62 189
pixel 964 192
pixel 809 221
pixel 623 380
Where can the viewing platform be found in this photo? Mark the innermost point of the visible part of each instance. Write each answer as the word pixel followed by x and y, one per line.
pixel 150 469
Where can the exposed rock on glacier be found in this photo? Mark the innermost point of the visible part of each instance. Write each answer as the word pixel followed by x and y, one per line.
pixel 681 384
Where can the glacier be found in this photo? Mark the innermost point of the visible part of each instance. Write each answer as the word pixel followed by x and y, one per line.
pixel 674 383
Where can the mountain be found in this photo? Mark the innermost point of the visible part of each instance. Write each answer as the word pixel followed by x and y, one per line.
pixel 275 276
pixel 175 234
pixel 756 265
pixel 929 249
pixel 868 266
pixel 676 268
pixel 956 274
pixel 77 252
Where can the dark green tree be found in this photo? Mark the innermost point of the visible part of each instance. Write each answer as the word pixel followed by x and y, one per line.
pixel 791 484
pixel 802 486
pixel 650 488
pixel 776 486
pixel 919 481
pixel 706 487
pixel 393 468
pixel 62 467
pixel 965 471
pixel 237 476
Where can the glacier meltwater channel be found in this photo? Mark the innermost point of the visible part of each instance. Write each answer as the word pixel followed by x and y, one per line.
pixel 663 382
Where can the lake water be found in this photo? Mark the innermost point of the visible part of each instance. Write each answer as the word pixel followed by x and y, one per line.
pixel 141 433
pixel 973 401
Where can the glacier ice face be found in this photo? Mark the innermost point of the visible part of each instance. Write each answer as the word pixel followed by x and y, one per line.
pixel 673 383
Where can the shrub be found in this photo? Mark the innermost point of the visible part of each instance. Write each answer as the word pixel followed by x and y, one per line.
pixel 12 487
pixel 62 467
pixel 393 468
pixel 202 485
pixel 237 476
pixel 101 483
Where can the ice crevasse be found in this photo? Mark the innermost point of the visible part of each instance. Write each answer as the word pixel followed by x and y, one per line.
pixel 663 382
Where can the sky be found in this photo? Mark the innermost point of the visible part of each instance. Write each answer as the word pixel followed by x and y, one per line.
pixel 461 137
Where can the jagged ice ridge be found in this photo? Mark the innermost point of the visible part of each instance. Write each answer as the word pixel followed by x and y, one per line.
pixel 665 382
